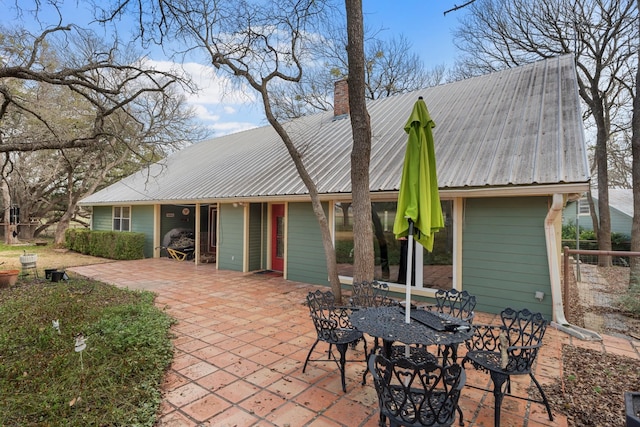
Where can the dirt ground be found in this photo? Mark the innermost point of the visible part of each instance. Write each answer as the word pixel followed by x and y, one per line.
pixel 591 392
pixel 48 257
pixel 592 303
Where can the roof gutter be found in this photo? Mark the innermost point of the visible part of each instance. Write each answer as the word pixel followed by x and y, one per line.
pixel 559 321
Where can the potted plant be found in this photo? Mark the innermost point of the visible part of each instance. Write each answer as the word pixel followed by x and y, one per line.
pixel 28 260
pixel 8 278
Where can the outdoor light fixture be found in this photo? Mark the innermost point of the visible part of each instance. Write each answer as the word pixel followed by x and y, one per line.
pixel 539 295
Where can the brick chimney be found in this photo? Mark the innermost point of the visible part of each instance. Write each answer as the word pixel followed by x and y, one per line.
pixel 340 98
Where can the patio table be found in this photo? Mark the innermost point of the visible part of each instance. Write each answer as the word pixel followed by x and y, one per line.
pixel 425 328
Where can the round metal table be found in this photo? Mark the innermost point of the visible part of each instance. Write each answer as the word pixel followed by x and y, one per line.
pixel 388 323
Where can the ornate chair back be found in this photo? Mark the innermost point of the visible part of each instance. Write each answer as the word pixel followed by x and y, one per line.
pixel 455 303
pixel 371 294
pixel 332 323
pixel 333 326
pixel 506 350
pixel 524 332
pixel 416 394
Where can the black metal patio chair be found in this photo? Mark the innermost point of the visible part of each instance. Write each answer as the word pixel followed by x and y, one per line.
pixel 371 294
pixel 455 303
pixel 506 350
pixel 416 394
pixel 332 327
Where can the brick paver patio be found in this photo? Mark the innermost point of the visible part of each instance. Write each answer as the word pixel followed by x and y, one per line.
pixel 241 339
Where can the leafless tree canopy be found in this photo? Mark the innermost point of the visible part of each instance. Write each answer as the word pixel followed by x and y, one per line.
pixel 390 69
pixel 77 113
pixel 602 35
pixel 110 86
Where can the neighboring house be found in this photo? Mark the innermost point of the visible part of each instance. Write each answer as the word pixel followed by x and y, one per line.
pixel 510 151
pixel 620 210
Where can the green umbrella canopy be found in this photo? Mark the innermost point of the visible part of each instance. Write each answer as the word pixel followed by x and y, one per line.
pixel 418 198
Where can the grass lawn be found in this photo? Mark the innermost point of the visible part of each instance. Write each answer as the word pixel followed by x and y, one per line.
pixel 50 376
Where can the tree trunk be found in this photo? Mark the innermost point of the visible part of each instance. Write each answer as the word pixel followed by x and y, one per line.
pixel 345 213
pixel 61 228
pixel 65 220
pixel 593 213
pixel 327 240
pixel 634 274
pixel 382 244
pixel 10 230
pixel 604 215
pixel 363 254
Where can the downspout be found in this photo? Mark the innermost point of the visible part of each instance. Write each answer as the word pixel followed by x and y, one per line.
pixel 553 258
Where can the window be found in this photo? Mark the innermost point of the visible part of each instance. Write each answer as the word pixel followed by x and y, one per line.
pixel 583 206
pixel 122 218
pixel 390 263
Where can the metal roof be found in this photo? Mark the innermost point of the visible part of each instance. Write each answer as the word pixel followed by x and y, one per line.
pixel 512 128
pixel 620 199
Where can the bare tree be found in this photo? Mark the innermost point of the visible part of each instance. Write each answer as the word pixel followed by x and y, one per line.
pixel 107 118
pixel 635 150
pixel 603 36
pixel 390 69
pixel 260 44
pixel 107 81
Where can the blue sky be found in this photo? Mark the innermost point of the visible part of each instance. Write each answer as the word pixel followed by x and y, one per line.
pixel 422 22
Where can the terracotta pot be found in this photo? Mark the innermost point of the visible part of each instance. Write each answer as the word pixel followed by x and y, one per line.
pixel 8 278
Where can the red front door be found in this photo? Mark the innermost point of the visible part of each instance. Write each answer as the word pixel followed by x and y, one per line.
pixel 277 237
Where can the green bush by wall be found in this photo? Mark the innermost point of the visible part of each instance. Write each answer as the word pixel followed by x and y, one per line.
pixel 121 245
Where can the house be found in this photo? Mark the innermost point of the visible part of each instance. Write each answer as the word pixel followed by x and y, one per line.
pixel 510 151
pixel 620 210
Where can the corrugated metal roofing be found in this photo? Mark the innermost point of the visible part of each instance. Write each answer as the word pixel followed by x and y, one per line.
pixel 517 127
pixel 620 199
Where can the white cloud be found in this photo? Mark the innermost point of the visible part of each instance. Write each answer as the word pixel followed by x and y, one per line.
pixel 204 114
pixel 221 106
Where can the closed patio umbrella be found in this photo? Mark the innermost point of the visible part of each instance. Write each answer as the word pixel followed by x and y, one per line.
pixel 419 214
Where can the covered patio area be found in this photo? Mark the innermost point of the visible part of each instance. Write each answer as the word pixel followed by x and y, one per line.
pixel 241 340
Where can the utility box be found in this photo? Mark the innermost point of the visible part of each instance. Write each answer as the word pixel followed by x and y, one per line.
pixel 632 408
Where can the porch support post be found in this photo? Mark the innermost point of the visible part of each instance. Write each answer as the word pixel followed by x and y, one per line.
pixel 197 234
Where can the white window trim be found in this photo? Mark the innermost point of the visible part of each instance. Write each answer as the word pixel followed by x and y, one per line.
pixel 113 217
pixel 584 202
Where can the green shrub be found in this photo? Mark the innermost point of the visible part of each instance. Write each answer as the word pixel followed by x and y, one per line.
pixel 120 245
pixel 589 240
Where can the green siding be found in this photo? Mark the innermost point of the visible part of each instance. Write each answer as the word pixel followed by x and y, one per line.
pixel 504 256
pixel 265 234
pixel 142 222
pixel 102 218
pixel 230 237
pixel 620 221
pixel 305 253
pixel 255 236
